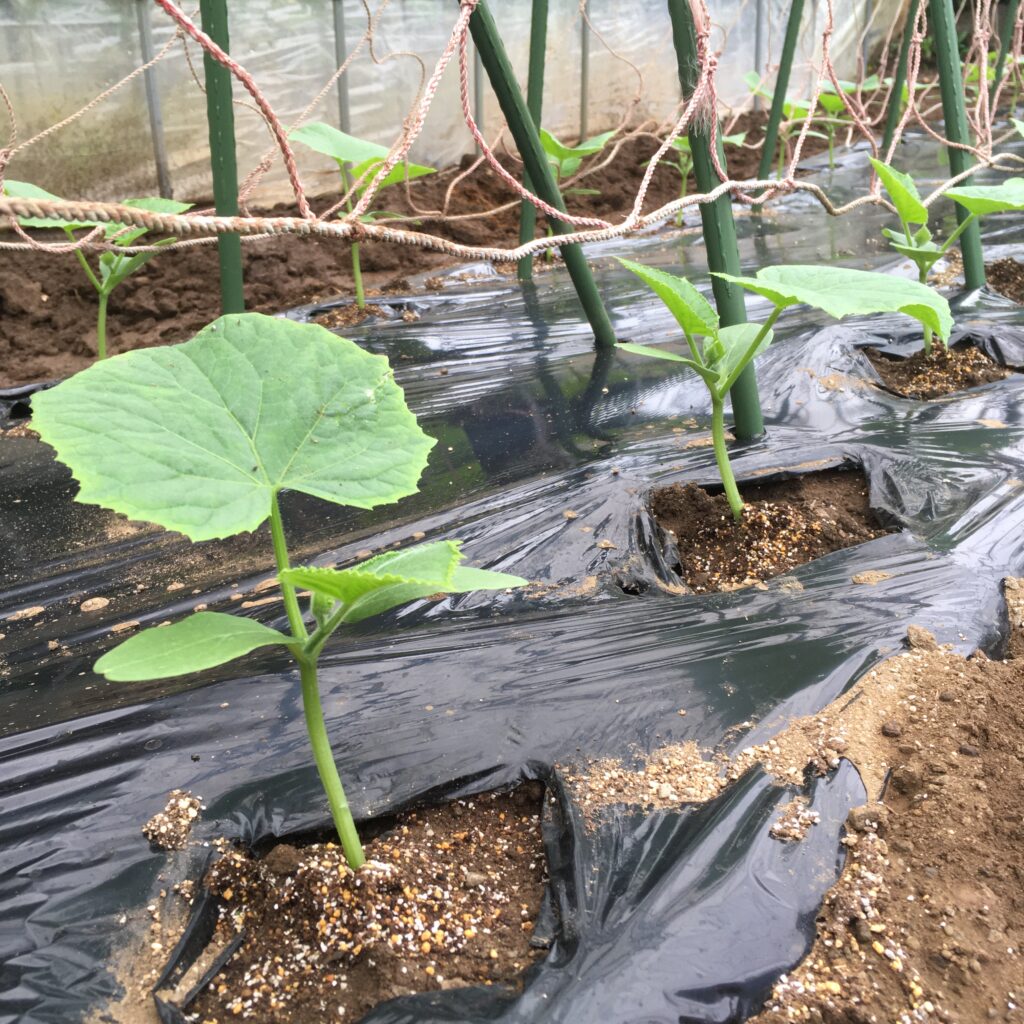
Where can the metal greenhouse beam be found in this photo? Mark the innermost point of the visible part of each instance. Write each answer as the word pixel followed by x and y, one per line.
pixel 220 116
pixel 954 113
pixel 503 81
pixel 718 224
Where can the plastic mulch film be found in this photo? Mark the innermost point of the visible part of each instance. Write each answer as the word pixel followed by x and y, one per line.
pixel 681 915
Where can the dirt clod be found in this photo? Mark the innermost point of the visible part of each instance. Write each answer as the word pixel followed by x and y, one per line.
pixel 169 829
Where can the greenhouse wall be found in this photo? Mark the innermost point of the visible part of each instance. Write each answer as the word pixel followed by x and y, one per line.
pixel 56 55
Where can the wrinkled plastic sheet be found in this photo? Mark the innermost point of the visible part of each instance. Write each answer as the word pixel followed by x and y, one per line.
pixel 683 915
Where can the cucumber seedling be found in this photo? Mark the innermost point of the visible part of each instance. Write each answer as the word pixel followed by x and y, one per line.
pixel 113 266
pixel 357 157
pixel 683 161
pixel 718 355
pixel 202 438
pixel 915 240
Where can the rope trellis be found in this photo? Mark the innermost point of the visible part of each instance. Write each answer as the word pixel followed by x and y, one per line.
pixel 862 113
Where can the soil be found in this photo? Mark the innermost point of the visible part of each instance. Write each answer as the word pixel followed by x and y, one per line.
pixel 448 899
pixel 1006 276
pixel 48 308
pixel 784 524
pixel 927 921
pixel 944 372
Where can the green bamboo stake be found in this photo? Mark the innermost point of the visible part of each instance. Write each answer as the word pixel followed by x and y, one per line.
pixel 717 221
pixel 1005 39
pixel 771 132
pixel 524 132
pixel 220 116
pixel 534 102
pixel 892 116
pixel 954 113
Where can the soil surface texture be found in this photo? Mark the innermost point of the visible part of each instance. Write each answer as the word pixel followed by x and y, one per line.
pixel 785 524
pixel 944 372
pixel 1006 276
pixel 448 898
pixel 927 921
pixel 48 308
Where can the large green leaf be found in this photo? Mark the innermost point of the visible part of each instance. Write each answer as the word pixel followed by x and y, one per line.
pixel 903 193
pixel 398 577
pixel 400 172
pixel 26 190
pixel 982 199
pixel 708 375
pixel 840 292
pixel 561 152
pixel 157 204
pixel 201 641
pixel 692 311
pixel 198 437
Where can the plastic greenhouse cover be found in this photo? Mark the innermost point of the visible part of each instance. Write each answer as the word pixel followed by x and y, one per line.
pixel 60 53
pixel 683 915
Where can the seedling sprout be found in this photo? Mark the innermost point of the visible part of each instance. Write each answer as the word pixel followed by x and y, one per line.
pixel 360 159
pixel 718 355
pixel 202 438
pixel 113 267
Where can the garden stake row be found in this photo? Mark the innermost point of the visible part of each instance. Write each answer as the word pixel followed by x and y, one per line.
pixel 220 115
pixel 954 112
pixel 534 103
pixel 892 115
pixel 527 139
pixel 717 221
pixel 771 132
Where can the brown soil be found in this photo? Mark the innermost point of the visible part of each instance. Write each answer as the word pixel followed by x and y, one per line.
pixel 945 372
pixel 784 525
pixel 927 921
pixel 447 899
pixel 48 308
pixel 1006 276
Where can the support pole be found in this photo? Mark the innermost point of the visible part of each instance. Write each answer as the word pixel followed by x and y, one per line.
pixel 954 113
pixel 892 116
pixel 534 102
pixel 220 116
pixel 771 132
pixel 156 117
pixel 584 73
pixel 340 56
pixel 520 124
pixel 759 47
pixel 1005 42
pixel 478 90
pixel 717 221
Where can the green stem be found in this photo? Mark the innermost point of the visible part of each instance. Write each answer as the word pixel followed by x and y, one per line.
pixel 922 276
pixel 831 148
pixel 357 276
pixel 318 740
pixel 101 325
pixel 93 279
pixel 291 602
pixel 732 493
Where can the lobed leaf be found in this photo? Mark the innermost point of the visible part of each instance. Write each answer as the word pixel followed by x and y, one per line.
pixel 26 190
pixel 982 199
pixel 903 193
pixel 323 138
pixel 398 577
pixel 706 373
pixel 198 437
pixel 203 640
pixel 692 311
pixel 840 292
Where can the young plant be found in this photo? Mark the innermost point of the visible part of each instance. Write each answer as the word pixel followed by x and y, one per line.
pixel 684 161
pixel 718 355
pixel 837 117
pixel 356 157
pixel 202 438
pixel 915 240
pixel 565 162
pixel 113 267
pixel 794 113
